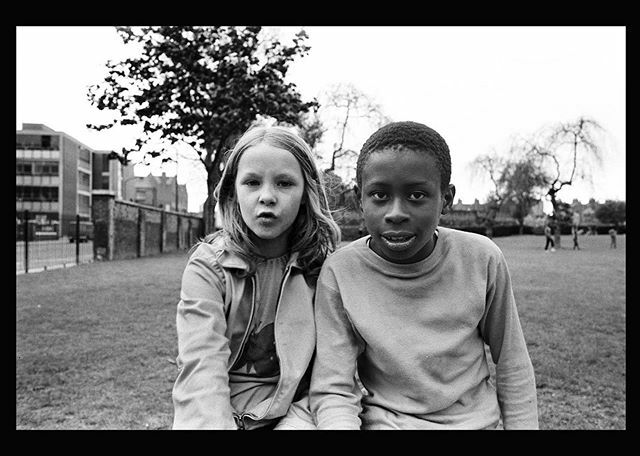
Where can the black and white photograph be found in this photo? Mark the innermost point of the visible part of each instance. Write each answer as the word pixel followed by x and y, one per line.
pixel 322 227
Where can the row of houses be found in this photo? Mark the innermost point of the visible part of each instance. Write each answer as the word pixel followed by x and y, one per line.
pixel 57 176
pixel 466 214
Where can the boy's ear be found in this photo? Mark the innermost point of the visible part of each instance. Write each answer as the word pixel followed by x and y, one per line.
pixel 356 189
pixel 448 196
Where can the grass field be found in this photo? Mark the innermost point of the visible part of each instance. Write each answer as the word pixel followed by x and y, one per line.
pixel 96 343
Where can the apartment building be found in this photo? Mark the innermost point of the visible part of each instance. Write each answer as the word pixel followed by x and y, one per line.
pixel 56 175
pixel 53 177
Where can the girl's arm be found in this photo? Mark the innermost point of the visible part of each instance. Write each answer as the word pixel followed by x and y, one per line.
pixel 501 330
pixel 201 394
pixel 334 394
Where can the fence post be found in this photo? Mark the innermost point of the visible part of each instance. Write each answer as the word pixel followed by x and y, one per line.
pixel 162 227
pixel 26 240
pixel 178 227
pixel 77 239
pixel 139 232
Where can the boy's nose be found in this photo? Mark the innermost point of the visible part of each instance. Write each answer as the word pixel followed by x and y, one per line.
pixel 396 213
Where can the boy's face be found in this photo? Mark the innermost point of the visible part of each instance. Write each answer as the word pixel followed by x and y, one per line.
pixel 402 203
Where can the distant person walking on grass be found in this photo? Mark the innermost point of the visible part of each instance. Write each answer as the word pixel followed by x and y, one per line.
pixel 245 324
pixel 548 234
pixel 574 232
pixel 613 233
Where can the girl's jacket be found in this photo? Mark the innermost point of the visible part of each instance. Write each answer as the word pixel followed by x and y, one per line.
pixel 216 304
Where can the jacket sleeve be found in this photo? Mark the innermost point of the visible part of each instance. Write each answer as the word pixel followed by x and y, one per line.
pixel 201 394
pixel 501 330
pixel 334 394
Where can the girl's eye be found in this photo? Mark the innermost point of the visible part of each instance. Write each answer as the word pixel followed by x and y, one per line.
pixel 416 196
pixel 251 182
pixel 285 184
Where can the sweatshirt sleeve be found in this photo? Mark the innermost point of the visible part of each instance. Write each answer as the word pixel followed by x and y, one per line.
pixel 201 394
pixel 501 330
pixel 334 393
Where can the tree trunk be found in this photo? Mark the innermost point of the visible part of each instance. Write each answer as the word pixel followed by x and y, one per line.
pixel 556 234
pixel 208 211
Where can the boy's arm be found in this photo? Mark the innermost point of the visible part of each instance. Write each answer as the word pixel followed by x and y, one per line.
pixel 501 330
pixel 334 394
pixel 201 394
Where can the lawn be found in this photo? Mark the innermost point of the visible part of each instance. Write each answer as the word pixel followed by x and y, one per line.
pixel 96 343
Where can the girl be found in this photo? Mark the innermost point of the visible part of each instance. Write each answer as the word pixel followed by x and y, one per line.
pixel 246 333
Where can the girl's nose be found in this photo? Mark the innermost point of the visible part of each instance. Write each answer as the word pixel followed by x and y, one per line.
pixel 267 195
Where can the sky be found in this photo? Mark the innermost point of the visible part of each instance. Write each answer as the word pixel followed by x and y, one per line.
pixel 478 86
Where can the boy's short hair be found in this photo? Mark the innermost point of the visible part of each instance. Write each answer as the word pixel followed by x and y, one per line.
pixel 412 135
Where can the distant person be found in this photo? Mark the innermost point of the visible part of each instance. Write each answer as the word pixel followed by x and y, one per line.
pixel 574 232
pixel 246 332
pixel 613 233
pixel 410 307
pixel 548 234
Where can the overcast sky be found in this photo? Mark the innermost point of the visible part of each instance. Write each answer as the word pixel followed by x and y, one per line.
pixel 477 86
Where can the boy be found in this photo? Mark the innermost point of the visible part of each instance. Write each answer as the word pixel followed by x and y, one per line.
pixel 414 304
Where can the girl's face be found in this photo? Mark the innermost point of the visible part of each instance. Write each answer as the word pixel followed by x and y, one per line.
pixel 269 185
pixel 402 203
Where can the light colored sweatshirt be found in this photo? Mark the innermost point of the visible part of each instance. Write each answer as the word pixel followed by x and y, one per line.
pixel 417 332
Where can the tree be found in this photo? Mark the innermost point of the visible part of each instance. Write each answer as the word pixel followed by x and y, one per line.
pixel 523 184
pixel 311 129
pixel 495 166
pixel 564 152
pixel 612 212
pixel 203 86
pixel 345 104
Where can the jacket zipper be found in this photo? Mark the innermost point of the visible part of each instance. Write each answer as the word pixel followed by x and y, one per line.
pixel 239 419
pixel 248 330
pixel 284 280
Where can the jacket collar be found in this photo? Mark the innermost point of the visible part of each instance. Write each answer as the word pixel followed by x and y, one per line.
pixel 229 259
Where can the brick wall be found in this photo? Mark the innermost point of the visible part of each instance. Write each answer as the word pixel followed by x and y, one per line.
pixel 124 229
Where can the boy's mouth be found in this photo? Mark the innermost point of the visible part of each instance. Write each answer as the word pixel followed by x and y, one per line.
pixel 397 241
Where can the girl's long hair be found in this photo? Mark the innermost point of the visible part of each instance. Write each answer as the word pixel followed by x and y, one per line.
pixel 314 233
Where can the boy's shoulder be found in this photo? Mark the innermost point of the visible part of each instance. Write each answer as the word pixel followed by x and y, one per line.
pixel 467 241
pixel 347 251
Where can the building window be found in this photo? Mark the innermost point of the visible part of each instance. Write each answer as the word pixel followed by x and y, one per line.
pixel 33 193
pixel 84 155
pixel 84 179
pixel 45 168
pixel 84 204
pixel 38 142
pixel 23 168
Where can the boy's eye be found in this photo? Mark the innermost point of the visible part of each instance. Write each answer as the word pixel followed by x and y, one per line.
pixel 378 196
pixel 414 196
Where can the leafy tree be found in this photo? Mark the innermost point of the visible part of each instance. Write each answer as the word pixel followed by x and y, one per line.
pixel 200 85
pixel 312 129
pixel 612 212
pixel 523 184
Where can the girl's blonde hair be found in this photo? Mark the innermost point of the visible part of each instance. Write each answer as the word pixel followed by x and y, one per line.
pixel 314 233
